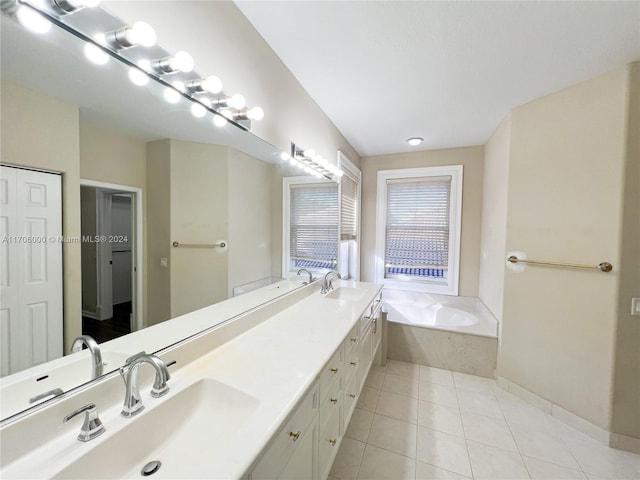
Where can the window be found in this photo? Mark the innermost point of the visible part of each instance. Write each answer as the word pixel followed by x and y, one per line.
pixel 349 247
pixel 418 229
pixel 310 236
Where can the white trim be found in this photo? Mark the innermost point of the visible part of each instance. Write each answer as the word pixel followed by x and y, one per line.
pixel 455 221
pixel 345 164
pixel 286 211
pixel 88 314
pixel 138 306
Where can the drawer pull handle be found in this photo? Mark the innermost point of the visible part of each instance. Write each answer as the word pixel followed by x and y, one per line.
pixel 354 363
pixel 333 370
pixel 333 400
pixel 295 436
pixel 352 395
pixel 332 442
pixel 354 340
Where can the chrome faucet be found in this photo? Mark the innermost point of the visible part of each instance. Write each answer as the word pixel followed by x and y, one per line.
pixel 97 366
pixel 132 400
pixel 328 284
pixel 310 275
pixel 92 426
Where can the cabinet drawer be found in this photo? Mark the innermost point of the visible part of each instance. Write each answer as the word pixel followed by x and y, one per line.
pixel 331 372
pixel 351 394
pixel 331 402
pixel 352 340
pixel 285 442
pixel 329 442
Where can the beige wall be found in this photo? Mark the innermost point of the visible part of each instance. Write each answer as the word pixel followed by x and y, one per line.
pixel 224 43
pixel 494 218
pixel 250 221
pixel 626 399
pixel 472 160
pixel 42 133
pixel 564 204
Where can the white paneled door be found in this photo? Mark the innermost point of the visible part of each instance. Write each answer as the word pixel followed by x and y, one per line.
pixel 31 268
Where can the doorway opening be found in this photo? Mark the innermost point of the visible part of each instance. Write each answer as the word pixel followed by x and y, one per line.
pixel 111 260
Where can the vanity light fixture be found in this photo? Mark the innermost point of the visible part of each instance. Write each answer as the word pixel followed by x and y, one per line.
pixel 312 163
pixel 65 7
pixel 140 33
pixel 255 113
pixel 415 141
pixel 236 102
pixel 180 62
pixel 211 84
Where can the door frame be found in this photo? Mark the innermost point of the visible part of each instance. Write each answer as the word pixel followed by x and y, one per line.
pixel 137 247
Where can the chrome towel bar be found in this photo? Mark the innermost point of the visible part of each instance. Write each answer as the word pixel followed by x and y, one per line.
pixel 200 245
pixel 603 267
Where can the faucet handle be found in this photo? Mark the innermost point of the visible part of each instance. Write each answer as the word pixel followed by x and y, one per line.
pixel 92 426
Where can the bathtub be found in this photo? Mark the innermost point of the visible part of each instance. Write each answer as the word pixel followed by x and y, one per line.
pixel 454 333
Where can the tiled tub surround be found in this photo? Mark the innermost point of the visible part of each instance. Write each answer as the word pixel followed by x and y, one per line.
pixel 273 355
pixel 454 333
pixel 418 422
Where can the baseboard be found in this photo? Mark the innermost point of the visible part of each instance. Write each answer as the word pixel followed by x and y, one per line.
pixel 622 442
pixel 592 430
pixel 88 314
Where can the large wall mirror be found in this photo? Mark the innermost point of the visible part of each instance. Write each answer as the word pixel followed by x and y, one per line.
pixel 141 185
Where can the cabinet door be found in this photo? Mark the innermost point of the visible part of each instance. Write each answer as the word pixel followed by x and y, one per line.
pixel 303 463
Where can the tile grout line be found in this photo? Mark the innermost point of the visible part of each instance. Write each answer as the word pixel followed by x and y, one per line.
pixel 464 433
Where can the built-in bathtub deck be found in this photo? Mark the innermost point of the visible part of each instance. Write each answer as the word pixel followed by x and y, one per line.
pixel 471 348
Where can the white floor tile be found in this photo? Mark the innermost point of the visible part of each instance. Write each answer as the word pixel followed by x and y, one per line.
pixel 393 435
pixel 440 394
pixel 348 458
pixel 360 425
pixel 368 399
pixel 538 443
pixel 379 464
pixel 401 385
pixel 436 375
pixel 601 460
pixel 541 470
pixel 474 383
pixel 403 369
pixel 398 407
pixel 493 463
pixel 440 417
pixel 424 471
pixel 488 430
pixel 480 403
pixel 443 450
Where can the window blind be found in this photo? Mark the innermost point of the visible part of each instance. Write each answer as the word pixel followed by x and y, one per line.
pixel 417 228
pixel 349 207
pixel 314 225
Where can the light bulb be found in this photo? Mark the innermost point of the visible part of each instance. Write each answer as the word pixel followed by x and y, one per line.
pixel 182 61
pixel 322 162
pixel 212 84
pixel 219 121
pixel 293 162
pixel 94 54
pixel 171 95
pixel 141 33
pixel 414 141
pixel 32 20
pixel 236 101
pixel 284 156
pixel 138 77
pixel 255 113
pixel 198 110
pixel 339 173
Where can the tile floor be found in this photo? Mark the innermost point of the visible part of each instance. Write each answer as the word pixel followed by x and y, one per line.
pixel 416 422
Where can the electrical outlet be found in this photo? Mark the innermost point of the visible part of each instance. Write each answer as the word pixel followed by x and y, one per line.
pixel 635 306
pixel 163 262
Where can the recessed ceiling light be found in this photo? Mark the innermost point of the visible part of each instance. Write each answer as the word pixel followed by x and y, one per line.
pixel 414 141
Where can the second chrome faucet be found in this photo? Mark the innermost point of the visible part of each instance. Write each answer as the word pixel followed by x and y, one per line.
pixel 132 400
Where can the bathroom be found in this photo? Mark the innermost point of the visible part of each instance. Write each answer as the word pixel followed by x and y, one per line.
pixel 552 178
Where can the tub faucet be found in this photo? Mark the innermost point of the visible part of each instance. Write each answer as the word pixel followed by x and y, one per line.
pixel 132 400
pixel 97 365
pixel 310 275
pixel 328 284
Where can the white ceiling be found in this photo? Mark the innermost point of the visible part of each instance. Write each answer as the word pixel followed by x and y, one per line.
pixel 445 71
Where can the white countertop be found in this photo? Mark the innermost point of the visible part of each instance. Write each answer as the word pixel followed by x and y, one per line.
pixel 275 363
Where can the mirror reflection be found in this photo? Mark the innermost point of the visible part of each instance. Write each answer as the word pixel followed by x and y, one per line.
pixel 123 176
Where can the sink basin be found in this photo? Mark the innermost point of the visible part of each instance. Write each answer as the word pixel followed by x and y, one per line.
pixel 183 433
pixel 346 293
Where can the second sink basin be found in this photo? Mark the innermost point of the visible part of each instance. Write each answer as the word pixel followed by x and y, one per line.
pixel 184 434
pixel 346 293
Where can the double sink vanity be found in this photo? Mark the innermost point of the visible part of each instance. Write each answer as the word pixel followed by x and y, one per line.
pixel 268 394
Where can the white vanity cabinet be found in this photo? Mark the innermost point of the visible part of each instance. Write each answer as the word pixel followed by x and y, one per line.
pixel 293 451
pixel 330 419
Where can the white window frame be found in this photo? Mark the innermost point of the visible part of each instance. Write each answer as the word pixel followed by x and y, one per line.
pixel 345 164
pixel 455 226
pixel 286 220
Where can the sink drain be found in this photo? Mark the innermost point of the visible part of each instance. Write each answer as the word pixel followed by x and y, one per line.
pixel 151 468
